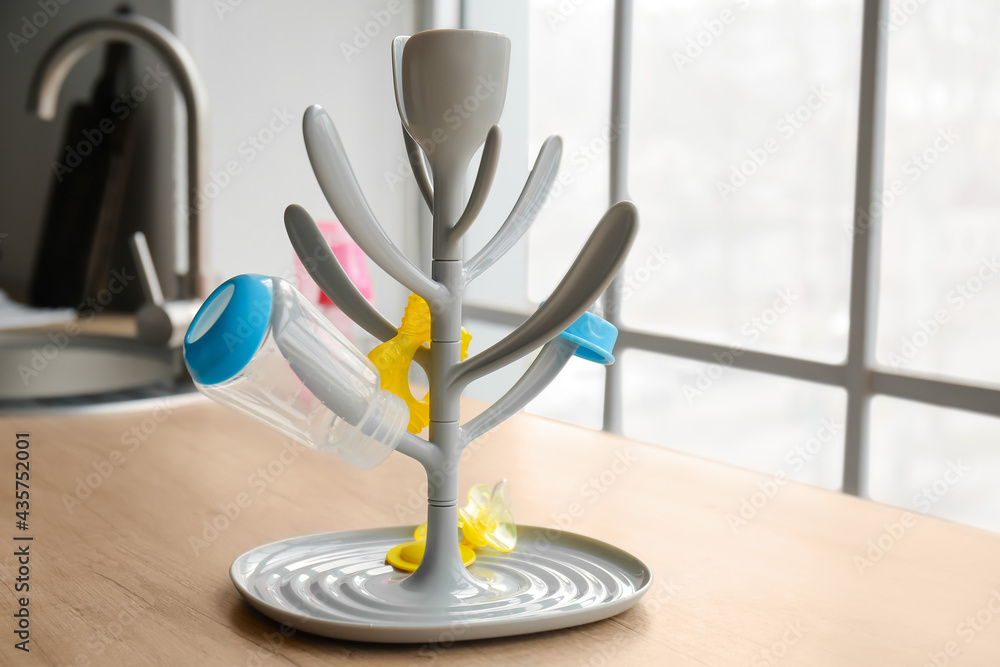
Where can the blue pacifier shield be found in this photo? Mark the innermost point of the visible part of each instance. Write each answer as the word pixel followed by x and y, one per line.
pixel 595 336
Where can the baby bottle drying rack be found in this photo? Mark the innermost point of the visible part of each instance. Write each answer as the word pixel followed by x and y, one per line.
pixel 338 584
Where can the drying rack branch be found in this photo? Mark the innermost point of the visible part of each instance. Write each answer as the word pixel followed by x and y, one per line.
pixel 418 165
pixel 424 452
pixel 397 77
pixel 525 209
pixel 481 188
pixel 543 370
pixel 592 271
pixel 340 186
pixel 326 270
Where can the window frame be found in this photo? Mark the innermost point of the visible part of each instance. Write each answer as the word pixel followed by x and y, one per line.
pixel 859 375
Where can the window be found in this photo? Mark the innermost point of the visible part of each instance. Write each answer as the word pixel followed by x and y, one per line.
pixel 811 289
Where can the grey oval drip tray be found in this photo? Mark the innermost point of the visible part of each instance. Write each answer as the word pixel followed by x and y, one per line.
pixel 338 585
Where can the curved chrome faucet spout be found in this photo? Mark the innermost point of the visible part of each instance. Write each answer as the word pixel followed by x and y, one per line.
pixel 61 57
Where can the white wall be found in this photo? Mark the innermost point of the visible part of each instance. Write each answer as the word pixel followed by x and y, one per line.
pixel 265 56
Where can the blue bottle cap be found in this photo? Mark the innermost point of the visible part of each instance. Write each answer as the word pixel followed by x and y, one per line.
pixel 595 336
pixel 228 329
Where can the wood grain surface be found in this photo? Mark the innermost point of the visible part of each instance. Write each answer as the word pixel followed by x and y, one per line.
pixel 124 571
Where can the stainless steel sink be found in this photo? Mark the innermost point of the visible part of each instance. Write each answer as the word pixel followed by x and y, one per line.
pixel 38 372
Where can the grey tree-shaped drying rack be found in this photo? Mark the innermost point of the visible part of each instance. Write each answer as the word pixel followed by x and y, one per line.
pixel 438 72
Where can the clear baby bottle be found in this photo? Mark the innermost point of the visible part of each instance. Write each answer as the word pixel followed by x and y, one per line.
pixel 258 345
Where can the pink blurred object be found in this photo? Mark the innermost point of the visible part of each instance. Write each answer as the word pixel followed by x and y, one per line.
pixel 355 265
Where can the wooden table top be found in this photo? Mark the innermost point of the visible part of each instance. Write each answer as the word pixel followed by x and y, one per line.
pixel 118 576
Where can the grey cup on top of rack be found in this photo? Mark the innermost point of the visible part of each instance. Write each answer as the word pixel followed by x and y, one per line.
pixel 449 104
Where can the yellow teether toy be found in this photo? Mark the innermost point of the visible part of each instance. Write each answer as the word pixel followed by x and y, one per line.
pixel 485 521
pixel 393 358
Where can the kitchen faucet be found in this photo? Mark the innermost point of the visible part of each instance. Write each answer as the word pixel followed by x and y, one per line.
pixel 59 59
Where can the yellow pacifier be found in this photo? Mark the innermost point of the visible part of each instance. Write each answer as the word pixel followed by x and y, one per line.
pixel 407 556
pixel 485 521
pixel 393 358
